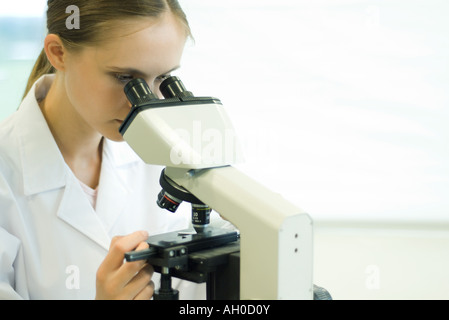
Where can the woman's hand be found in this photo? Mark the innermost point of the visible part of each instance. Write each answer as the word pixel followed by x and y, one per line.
pixel 117 279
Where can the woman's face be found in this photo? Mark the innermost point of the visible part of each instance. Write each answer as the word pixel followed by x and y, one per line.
pixel 96 76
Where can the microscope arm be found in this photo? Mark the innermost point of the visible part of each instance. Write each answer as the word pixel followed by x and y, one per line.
pixel 276 236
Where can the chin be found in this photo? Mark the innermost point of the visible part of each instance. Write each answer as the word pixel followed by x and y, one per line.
pixel 111 132
pixel 116 137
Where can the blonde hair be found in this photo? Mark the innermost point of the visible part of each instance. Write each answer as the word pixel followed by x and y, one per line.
pixel 95 20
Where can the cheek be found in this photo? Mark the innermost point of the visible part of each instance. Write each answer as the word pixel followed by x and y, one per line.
pixel 95 98
pixel 77 89
pixel 109 97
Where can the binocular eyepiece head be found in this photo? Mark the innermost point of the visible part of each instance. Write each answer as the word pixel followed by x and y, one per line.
pixel 138 91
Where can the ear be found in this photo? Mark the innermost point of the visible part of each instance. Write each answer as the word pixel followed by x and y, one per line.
pixel 55 51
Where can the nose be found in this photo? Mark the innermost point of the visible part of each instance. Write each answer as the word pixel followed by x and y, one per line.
pixel 158 93
pixel 155 89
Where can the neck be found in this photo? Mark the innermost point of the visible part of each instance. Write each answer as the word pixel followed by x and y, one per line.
pixel 80 145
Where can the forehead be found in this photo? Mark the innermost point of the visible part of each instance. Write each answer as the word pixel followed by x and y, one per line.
pixel 151 44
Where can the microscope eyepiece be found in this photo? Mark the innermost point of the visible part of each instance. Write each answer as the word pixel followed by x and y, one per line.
pixel 173 87
pixel 138 92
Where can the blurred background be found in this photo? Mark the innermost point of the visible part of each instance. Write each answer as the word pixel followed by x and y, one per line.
pixel 341 106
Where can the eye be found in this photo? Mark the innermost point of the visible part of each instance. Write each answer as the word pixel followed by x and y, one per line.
pixel 163 77
pixel 123 78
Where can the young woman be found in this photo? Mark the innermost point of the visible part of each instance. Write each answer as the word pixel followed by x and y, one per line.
pixel 73 197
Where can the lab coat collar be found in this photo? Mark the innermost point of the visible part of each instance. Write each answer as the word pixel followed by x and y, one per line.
pixel 43 165
pixel 44 169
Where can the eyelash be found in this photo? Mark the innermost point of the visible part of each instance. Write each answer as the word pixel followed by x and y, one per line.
pixel 164 77
pixel 125 78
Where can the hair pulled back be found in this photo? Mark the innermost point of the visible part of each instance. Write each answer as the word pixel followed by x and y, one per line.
pixel 97 17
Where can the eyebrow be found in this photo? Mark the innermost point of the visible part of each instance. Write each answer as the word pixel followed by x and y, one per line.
pixel 135 71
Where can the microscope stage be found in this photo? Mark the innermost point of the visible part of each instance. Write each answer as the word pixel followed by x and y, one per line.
pixel 192 240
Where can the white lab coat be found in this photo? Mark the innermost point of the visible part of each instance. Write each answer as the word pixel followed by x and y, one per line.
pixel 51 239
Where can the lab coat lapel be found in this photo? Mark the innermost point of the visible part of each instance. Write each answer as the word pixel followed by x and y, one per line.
pixel 112 195
pixel 76 210
pixel 113 191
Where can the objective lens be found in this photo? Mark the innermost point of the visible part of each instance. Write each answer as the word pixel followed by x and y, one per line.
pixel 173 87
pixel 167 201
pixel 201 214
pixel 138 92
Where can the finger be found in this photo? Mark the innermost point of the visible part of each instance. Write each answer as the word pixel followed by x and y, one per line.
pixel 111 284
pixel 127 271
pixel 114 240
pixel 139 281
pixel 136 265
pixel 146 293
pixel 119 246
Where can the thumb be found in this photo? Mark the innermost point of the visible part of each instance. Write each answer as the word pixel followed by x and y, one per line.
pixel 122 244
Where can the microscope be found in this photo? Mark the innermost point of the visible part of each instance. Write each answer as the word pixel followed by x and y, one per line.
pixel 269 257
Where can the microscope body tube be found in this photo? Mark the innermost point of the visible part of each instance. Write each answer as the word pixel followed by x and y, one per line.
pixel 276 236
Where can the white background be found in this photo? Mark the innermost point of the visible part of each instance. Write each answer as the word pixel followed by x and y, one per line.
pixel 342 106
